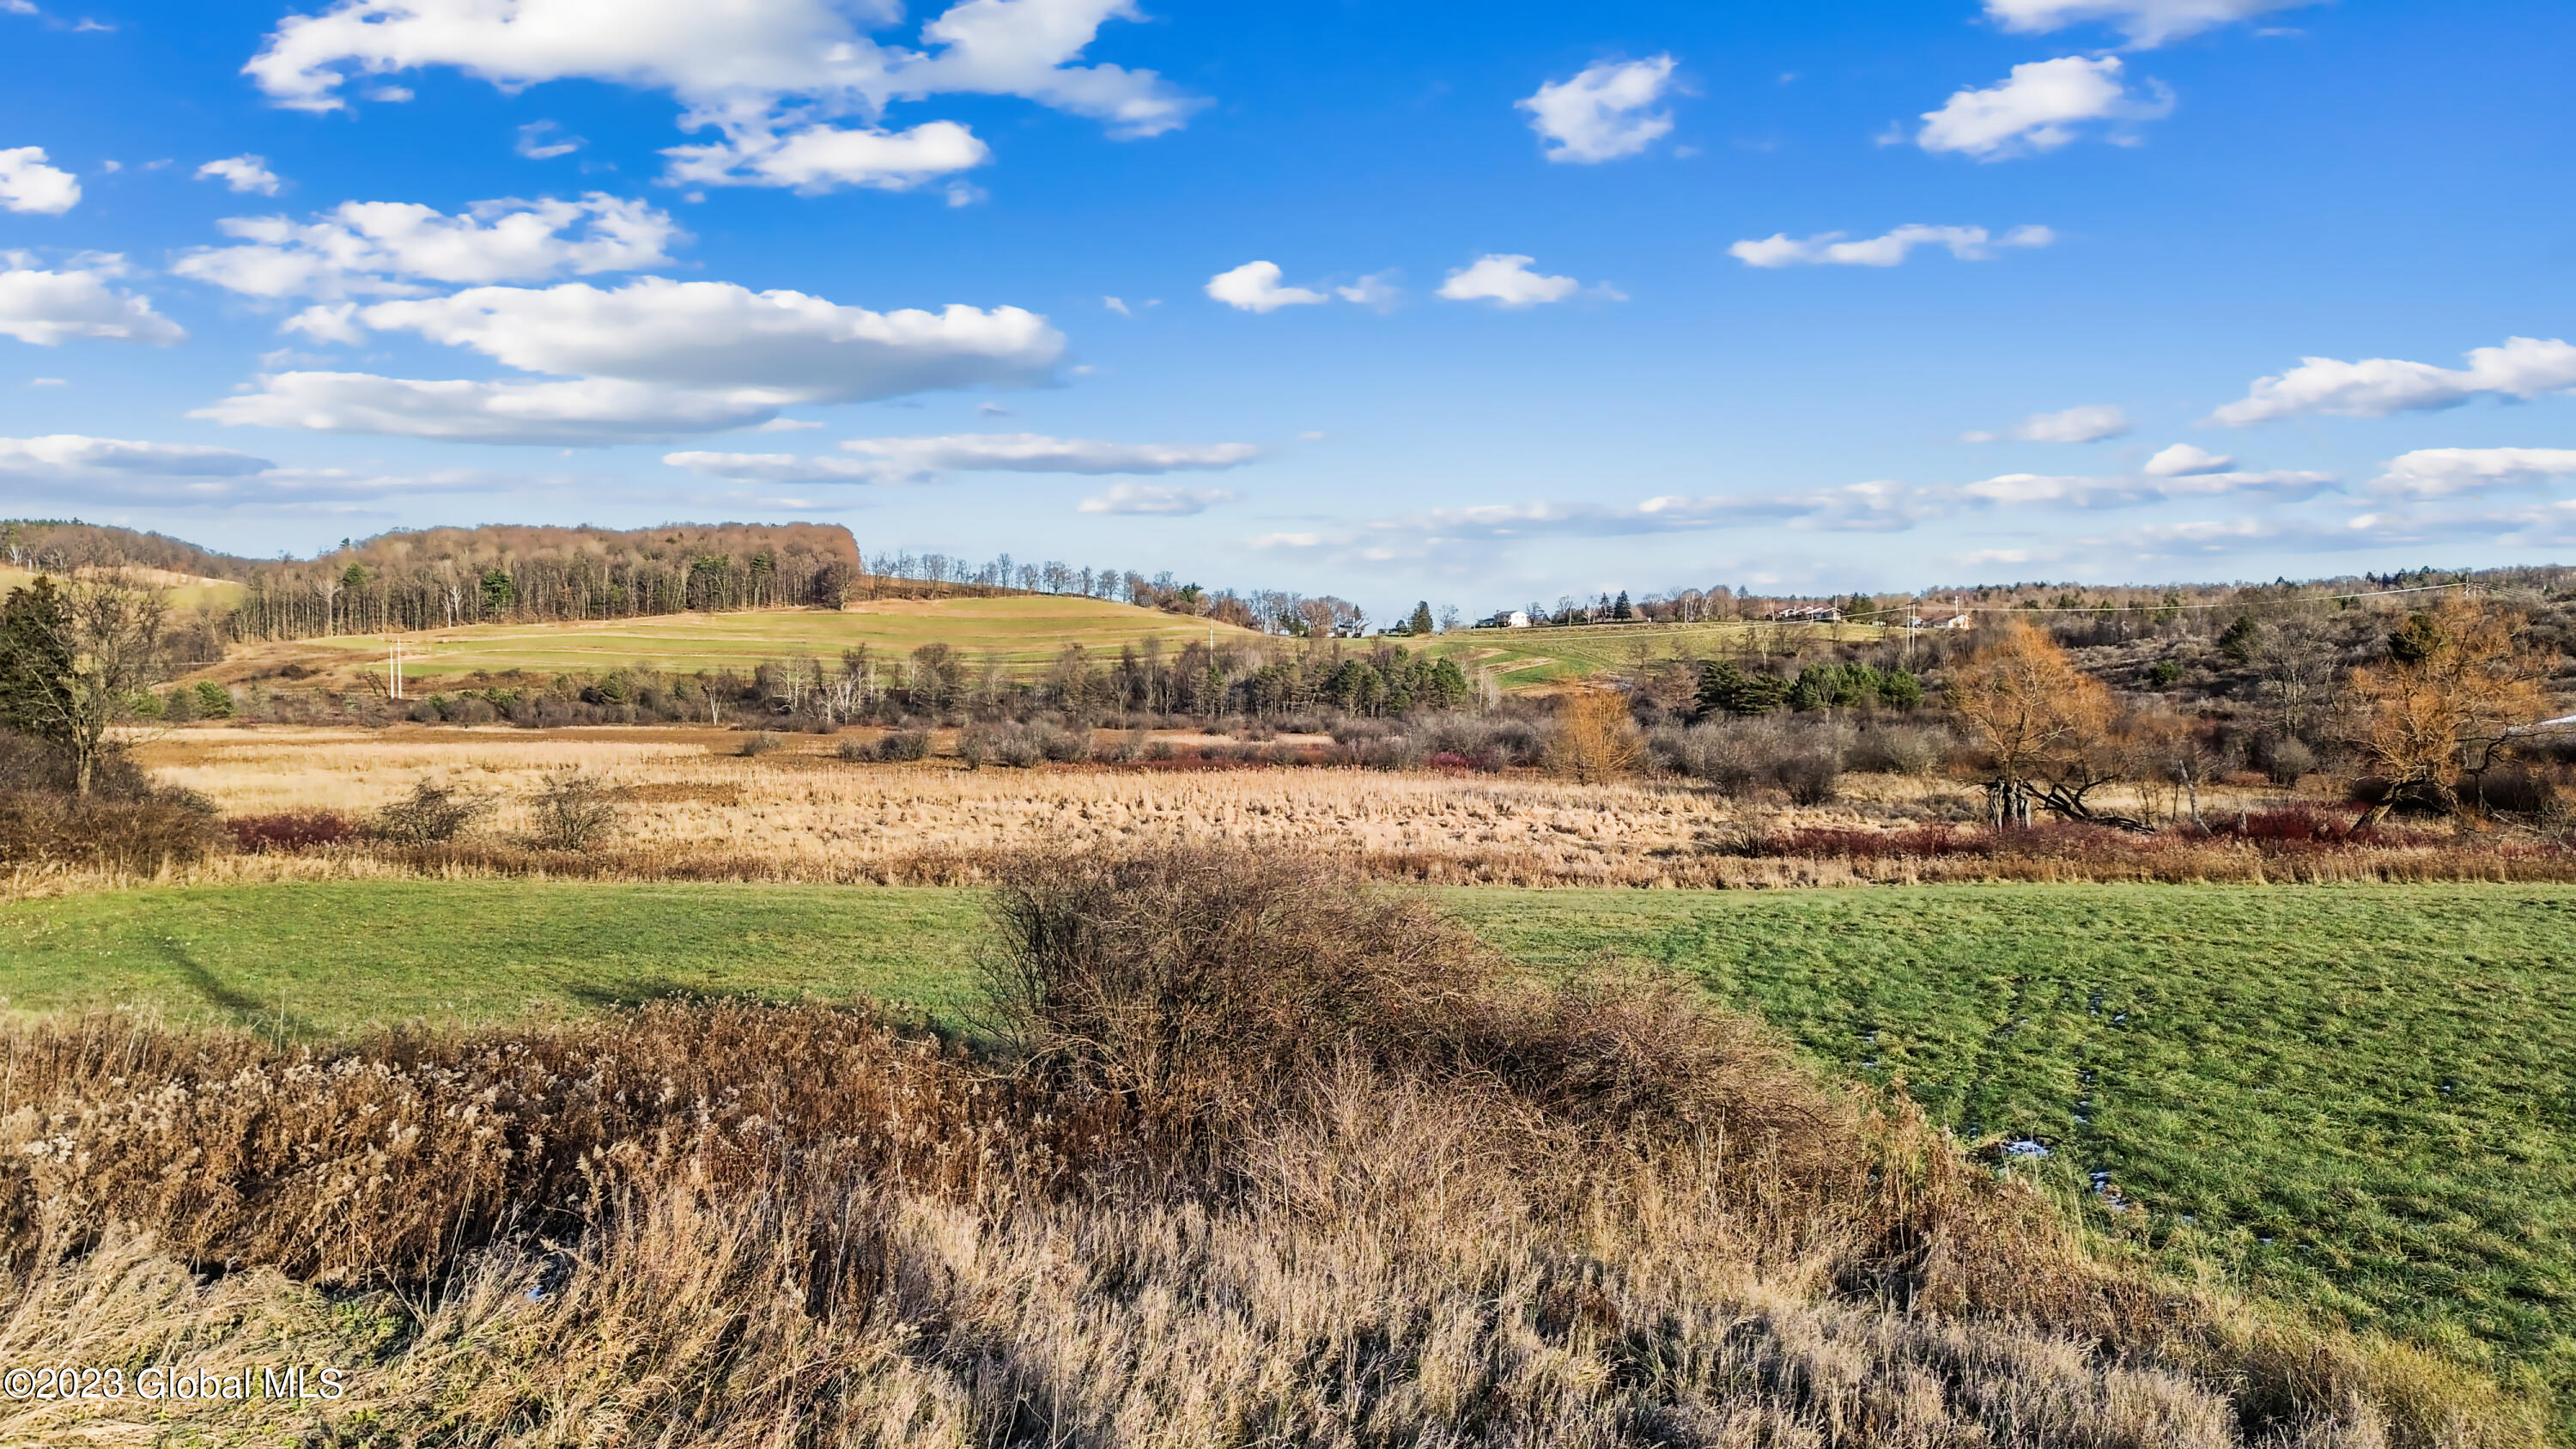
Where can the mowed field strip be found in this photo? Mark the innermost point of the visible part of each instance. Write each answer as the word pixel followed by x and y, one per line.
pixel 2358 1097
pixel 1021 632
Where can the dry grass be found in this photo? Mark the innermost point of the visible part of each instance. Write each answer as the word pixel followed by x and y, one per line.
pixel 1574 1216
pixel 695 809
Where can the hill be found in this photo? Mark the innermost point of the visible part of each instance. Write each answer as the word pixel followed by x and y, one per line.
pixel 1021 632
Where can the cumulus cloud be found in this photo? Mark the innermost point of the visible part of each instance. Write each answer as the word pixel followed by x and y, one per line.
pixel 241 173
pixel 718 335
pixel 1254 287
pixel 750 69
pixel 652 360
pixel 70 456
pixel 1507 281
pixel 1154 499
pixel 2040 107
pixel 27 184
pixel 388 248
pixel 2447 472
pixel 50 307
pixel 2523 368
pixel 2182 460
pixel 913 460
pixel 2090 424
pixel 1967 243
pixel 815 159
pixel 2147 23
pixel 1605 112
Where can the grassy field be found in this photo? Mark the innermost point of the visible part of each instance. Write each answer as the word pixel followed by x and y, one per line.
pixel 186 590
pixel 1533 658
pixel 1023 632
pixel 2358 1097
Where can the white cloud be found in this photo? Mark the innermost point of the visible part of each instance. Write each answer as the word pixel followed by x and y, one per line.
pixel 654 359
pixel 1605 112
pixel 814 159
pixel 47 382
pixel 913 460
pixel 2524 367
pixel 2146 22
pixel 537 139
pixel 241 173
pixel 378 247
pixel 2122 492
pixel 27 184
pixel 572 413
pixel 1117 305
pixel 1507 281
pixel 1377 289
pixel 17 7
pixel 69 456
pixel 2090 424
pixel 1153 499
pixel 749 68
pixel 2182 460
pixel 1254 287
pixel 48 307
pixel 797 347
pixel 1967 243
pixel 2039 108
pixel 2445 472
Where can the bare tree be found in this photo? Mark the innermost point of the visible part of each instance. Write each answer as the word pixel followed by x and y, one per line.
pixel 76 661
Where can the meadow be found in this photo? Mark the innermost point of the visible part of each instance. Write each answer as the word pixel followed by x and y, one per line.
pixel 1020 632
pixel 1539 658
pixel 2348 1097
pixel 184 591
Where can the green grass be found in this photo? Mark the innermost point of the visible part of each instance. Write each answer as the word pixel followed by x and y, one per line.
pixel 318 959
pixel 2376 1080
pixel 1524 658
pixel 1023 632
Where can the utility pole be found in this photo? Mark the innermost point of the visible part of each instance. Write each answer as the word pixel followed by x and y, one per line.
pixel 395 664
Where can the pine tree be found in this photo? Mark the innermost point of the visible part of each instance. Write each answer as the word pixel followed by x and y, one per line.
pixel 1420 623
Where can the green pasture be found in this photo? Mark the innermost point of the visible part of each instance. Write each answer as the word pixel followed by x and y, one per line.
pixel 1525 658
pixel 2361 1098
pixel 1022 632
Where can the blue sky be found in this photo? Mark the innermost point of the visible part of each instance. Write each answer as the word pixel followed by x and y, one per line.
pixel 1393 301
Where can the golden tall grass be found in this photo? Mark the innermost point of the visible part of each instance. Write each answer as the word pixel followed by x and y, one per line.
pixel 695 809
pixel 1434 1204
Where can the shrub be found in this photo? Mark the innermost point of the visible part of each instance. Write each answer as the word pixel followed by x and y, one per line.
pixel 1595 740
pixel 572 811
pixel 1811 777
pixel 1896 749
pixel 2288 759
pixel 214 701
pixel 432 814
pixel 136 833
pixel 903 746
pixel 758 743
pixel 290 830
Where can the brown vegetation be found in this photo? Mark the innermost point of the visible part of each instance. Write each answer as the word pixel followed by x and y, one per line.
pixel 1402 1196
